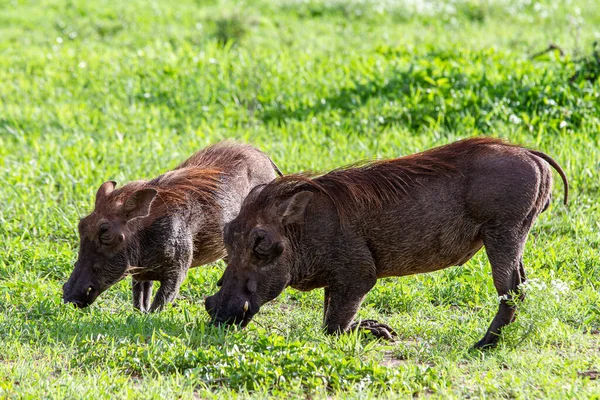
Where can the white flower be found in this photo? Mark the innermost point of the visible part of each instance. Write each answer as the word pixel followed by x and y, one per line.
pixel 537 287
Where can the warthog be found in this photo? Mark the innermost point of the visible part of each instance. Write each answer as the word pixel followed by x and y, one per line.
pixel 156 230
pixel 344 230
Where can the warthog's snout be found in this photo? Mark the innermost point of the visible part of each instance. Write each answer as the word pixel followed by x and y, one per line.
pixel 80 298
pixel 210 304
pixel 237 312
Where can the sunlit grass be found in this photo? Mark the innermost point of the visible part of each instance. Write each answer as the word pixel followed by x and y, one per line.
pixel 91 91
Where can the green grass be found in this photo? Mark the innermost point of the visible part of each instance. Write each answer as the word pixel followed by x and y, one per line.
pixel 92 91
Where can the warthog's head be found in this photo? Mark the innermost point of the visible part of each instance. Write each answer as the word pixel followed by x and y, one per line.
pixel 105 247
pixel 260 257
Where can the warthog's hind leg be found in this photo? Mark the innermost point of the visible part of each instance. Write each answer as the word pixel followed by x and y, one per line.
pixel 505 253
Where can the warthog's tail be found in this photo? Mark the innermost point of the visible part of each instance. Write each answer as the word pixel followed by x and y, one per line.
pixel 276 168
pixel 557 167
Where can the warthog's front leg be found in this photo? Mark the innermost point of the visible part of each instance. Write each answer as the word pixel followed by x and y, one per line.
pixel 342 300
pixel 166 293
pixel 174 271
pixel 142 294
pixel 376 328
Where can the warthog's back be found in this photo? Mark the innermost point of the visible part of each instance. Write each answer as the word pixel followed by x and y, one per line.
pixel 427 211
pixel 438 223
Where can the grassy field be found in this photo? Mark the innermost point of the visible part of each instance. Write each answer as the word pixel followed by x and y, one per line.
pixel 99 90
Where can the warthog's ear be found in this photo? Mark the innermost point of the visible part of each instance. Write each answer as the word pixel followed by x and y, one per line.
pixel 138 204
pixel 253 194
pixel 104 191
pixel 293 209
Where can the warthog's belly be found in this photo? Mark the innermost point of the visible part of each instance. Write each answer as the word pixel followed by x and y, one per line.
pixel 475 246
pixel 434 261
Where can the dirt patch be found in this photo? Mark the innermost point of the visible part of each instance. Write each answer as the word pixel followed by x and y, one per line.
pixel 391 361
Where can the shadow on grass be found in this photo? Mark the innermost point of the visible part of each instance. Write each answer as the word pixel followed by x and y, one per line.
pixel 46 322
pixel 448 97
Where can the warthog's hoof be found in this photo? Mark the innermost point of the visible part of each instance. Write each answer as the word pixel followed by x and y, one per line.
pixel 381 331
pixel 485 344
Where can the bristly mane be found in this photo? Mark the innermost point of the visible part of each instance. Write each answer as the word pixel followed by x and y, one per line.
pixel 225 155
pixel 198 177
pixel 375 183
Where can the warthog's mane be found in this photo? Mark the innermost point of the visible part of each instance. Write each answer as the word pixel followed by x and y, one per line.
pixel 375 183
pixel 198 178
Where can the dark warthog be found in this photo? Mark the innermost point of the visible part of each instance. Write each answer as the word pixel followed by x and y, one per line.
pixel 344 230
pixel 155 230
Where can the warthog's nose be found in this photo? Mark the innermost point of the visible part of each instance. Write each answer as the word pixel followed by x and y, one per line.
pixel 81 299
pixel 76 303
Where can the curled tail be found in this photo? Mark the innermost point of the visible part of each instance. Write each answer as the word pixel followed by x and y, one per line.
pixel 557 167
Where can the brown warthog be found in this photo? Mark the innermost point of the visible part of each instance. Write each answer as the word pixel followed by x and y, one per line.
pixel 156 230
pixel 344 230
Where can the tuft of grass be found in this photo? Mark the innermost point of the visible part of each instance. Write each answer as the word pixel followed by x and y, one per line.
pixel 230 29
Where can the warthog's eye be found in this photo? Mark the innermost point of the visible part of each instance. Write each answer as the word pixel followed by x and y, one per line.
pixel 264 246
pixel 262 243
pixel 106 235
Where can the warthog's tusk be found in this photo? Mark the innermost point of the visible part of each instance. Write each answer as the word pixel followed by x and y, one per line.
pixel 245 306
